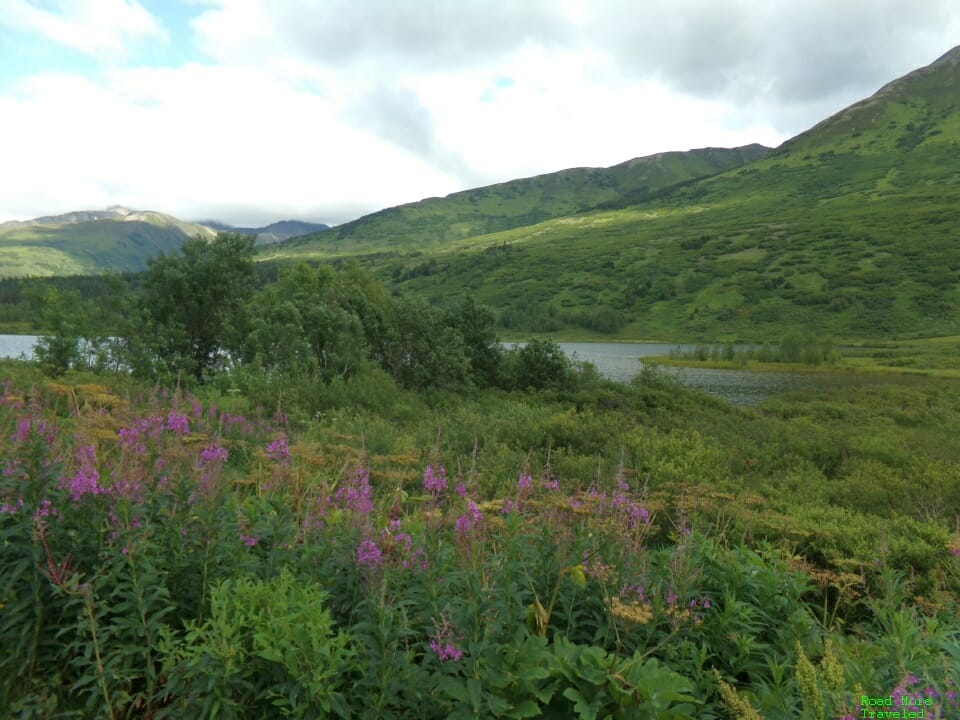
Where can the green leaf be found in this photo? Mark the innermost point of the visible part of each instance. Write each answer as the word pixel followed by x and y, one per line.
pixel 453 687
pixel 586 709
pixel 525 709
pixel 475 691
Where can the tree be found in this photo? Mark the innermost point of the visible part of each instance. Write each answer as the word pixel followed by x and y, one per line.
pixel 300 327
pixel 476 325
pixel 192 313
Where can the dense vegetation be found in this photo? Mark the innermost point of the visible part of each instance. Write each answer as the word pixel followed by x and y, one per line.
pixel 846 230
pixel 320 500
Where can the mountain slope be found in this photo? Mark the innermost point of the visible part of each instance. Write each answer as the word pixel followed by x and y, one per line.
pixel 849 229
pixel 116 239
pixel 91 242
pixel 518 202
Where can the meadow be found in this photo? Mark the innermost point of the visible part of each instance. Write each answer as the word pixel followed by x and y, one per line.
pixel 594 551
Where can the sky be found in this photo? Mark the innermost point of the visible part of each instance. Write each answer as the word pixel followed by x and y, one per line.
pixel 251 111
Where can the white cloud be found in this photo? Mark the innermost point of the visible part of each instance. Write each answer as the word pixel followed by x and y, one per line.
pixel 94 27
pixel 189 139
pixel 324 109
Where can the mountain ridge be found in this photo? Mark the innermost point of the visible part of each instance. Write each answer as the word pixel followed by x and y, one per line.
pixel 524 201
pixel 846 229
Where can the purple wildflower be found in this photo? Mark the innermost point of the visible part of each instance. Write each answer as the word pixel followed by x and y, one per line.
pixel 418 558
pixel 178 423
pixel 551 483
pixel 446 651
pixel 23 430
pixel 461 489
pixel 368 554
pixel 442 642
pixel 130 439
pixel 249 540
pixel 524 483
pixel 212 454
pixel 356 495
pixel 279 451
pixel 434 483
pixel 6 508
pixel 86 479
pixel 509 506
pixel 469 520
pixel 45 510
pixel 671 598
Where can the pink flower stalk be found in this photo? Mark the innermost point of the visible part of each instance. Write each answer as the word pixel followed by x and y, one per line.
pixel 86 479
pixel 434 483
pixel 356 494
pixel 6 508
pixel 178 423
pixel 212 454
pixel 369 555
pixel 469 520
pixel 279 451
pixel 46 509
pixel 23 430
pixel 442 642
pixel 525 482
pixel 446 651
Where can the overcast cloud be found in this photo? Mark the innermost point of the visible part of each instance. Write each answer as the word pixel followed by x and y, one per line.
pixel 249 111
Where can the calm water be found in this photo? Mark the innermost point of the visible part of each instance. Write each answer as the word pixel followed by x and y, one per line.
pixel 620 362
pixel 13 346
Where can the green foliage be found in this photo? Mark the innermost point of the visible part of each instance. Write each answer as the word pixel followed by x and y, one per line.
pixel 267 647
pixel 596 685
pixel 538 365
pixel 191 313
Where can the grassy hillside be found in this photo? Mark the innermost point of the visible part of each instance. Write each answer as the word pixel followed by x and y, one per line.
pixel 88 247
pixel 516 203
pixel 848 229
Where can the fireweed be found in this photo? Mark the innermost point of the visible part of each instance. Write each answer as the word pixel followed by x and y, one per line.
pixel 435 483
pixel 117 518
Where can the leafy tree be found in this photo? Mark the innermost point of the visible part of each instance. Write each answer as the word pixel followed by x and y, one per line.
pixel 65 322
pixel 304 326
pixel 424 349
pixel 538 365
pixel 475 323
pixel 192 312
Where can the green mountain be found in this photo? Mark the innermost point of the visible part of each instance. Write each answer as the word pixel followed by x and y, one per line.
pixel 89 242
pixel 518 203
pixel 848 229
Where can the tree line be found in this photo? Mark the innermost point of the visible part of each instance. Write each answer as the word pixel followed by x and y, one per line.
pixel 202 313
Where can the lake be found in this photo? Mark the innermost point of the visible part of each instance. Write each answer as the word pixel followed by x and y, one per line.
pixel 14 346
pixel 620 362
